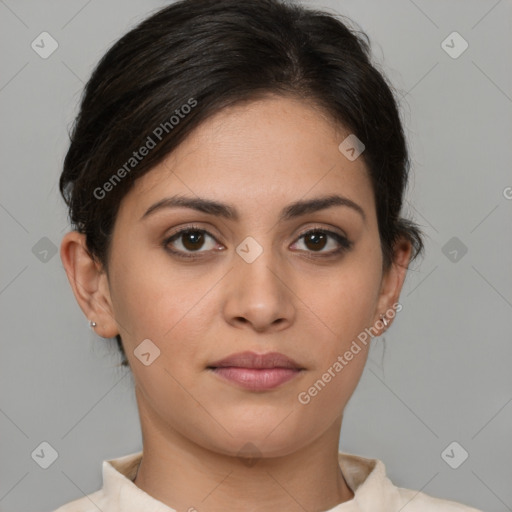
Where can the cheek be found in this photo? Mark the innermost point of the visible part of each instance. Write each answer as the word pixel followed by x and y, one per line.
pixel 326 392
pixel 341 352
pixel 149 296
pixel 343 302
pixel 173 309
pixel 343 305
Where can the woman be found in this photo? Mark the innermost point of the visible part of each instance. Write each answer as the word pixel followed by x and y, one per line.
pixel 235 180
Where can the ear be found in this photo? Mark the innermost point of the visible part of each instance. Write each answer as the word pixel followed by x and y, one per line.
pixel 89 283
pixel 392 281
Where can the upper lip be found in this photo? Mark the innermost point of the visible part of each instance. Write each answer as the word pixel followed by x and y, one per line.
pixel 254 360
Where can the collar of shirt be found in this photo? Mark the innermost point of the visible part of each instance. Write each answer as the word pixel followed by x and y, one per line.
pixel 373 491
pixel 366 478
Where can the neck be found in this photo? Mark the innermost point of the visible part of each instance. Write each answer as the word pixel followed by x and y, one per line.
pixel 187 476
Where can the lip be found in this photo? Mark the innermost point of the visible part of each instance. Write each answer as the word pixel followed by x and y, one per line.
pixel 259 361
pixel 257 372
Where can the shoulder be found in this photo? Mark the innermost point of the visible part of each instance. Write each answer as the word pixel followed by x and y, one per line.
pixel 373 490
pixel 118 475
pixel 415 501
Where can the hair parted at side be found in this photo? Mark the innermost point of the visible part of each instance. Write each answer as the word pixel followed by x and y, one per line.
pixel 218 53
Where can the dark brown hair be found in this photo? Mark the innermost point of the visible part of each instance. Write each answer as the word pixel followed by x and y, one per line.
pixel 195 57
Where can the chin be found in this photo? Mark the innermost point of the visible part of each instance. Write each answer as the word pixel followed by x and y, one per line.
pixel 262 439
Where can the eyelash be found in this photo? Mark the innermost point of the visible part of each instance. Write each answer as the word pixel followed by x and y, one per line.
pixel 345 244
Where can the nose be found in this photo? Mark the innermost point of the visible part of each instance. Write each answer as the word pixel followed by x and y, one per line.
pixel 260 295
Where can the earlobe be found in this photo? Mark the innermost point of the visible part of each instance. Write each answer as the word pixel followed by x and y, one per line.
pixel 89 283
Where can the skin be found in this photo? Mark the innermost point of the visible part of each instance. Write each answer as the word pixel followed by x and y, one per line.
pixel 257 157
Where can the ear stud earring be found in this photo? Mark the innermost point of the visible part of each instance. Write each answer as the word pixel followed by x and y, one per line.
pixel 384 320
pixel 92 324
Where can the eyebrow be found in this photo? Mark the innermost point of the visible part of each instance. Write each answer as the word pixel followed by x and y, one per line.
pixel 229 212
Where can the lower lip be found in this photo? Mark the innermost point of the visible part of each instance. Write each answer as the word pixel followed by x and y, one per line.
pixel 257 379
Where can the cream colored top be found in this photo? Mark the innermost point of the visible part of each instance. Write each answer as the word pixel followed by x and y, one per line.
pixel 373 491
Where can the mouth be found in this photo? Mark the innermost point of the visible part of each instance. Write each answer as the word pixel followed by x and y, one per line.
pixel 256 372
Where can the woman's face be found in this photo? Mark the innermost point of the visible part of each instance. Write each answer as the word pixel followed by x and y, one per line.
pixel 249 282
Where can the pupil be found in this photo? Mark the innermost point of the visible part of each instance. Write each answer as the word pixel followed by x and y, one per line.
pixel 193 240
pixel 318 240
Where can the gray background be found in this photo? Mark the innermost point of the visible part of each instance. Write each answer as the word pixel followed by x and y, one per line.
pixel 444 375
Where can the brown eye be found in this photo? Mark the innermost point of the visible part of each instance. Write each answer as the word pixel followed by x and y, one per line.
pixel 192 240
pixel 188 241
pixel 316 240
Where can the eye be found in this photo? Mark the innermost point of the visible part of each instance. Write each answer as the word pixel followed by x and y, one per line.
pixel 316 240
pixel 188 242
pixel 189 239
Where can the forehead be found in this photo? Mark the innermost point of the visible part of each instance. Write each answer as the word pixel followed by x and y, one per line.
pixel 256 155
